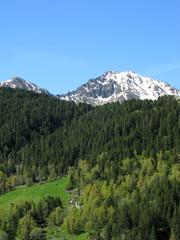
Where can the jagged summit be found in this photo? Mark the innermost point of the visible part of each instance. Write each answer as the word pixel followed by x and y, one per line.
pixel 17 82
pixel 115 86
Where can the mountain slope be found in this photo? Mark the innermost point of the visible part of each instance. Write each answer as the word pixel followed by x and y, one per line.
pixel 128 177
pixel 118 86
pixel 17 82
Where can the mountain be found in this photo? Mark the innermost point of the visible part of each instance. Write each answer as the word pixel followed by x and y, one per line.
pixel 118 86
pixel 110 87
pixel 17 82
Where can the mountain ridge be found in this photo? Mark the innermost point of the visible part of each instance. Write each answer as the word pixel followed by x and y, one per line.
pixel 112 86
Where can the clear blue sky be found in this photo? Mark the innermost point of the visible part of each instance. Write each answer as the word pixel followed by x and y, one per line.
pixel 61 44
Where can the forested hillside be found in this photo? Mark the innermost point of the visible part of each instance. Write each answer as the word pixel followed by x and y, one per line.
pixel 123 161
pixel 27 121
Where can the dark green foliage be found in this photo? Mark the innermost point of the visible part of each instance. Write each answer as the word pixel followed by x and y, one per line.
pixel 42 136
pixel 27 121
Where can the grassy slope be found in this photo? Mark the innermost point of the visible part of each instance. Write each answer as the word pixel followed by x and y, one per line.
pixel 35 192
pixel 52 234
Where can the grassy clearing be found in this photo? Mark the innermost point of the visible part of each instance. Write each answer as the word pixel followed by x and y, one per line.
pixel 36 192
pixel 53 234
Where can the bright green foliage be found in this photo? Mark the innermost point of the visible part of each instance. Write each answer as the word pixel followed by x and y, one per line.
pixel 56 217
pixel 36 234
pixel 25 218
pixel 26 224
pixel 140 204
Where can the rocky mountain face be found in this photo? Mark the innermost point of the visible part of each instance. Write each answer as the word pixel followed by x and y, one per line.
pixel 21 83
pixel 110 87
pixel 119 86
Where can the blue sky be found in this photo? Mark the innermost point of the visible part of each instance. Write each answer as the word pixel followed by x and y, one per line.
pixel 61 44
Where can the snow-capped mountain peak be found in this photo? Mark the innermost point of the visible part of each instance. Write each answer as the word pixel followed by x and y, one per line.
pixel 17 82
pixel 115 86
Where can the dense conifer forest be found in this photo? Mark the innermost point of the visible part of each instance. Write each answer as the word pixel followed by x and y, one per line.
pixel 123 161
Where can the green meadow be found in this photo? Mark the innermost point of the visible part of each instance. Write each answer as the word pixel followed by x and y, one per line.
pixel 36 192
pixel 53 234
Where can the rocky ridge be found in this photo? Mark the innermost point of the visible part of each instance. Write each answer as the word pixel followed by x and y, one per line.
pixel 119 86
